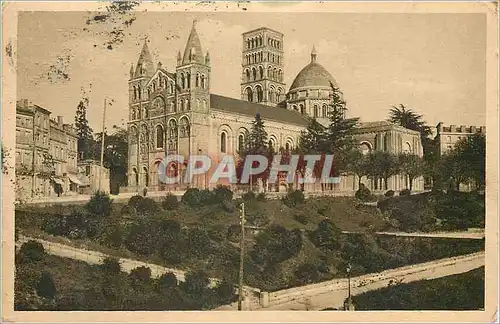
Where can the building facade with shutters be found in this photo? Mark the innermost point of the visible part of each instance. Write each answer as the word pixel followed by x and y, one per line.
pixel 176 113
pixel 45 154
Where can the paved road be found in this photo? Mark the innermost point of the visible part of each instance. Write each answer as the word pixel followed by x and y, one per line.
pixel 335 292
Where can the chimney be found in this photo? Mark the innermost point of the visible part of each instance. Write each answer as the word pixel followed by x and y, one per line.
pixel 60 120
pixel 452 128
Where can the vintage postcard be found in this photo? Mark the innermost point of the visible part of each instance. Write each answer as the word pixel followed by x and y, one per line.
pixel 302 161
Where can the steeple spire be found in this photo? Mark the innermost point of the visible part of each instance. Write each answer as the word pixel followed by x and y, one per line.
pixel 313 54
pixel 145 63
pixel 193 52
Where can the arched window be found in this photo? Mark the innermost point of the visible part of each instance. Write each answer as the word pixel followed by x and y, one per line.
pixel 316 111
pixel 171 87
pixel 159 137
pixel 247 71
pixel 302 109
pixel 172 129
pixel 274 73
pixel 139 91
pixel 365 148
pixel 249 94
pixel 241 142
pixel 135 92
pixel 269 71
pixel 287 146
pixel 172 107
pixel 261 72
pixel 280 75
pixel 260 93
pixel 254 74
pixel 188 105
pixel 204 104
pixel 223 139
pixel 271 95
pixel 325 112
pixel 146 176
pixel 181 105
pixel 188 78
pixel 183 81
pixel 278 95
pixel 203 81
pixel 136 176
pixel 197 80
pixel 184 129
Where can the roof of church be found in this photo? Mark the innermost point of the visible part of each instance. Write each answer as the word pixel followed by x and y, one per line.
pixel 242 107
pixel 378 123
pixel 194 44
pixel 146 59
pixel 313 75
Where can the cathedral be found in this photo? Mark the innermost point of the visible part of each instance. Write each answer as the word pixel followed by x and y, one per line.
pixel 176 113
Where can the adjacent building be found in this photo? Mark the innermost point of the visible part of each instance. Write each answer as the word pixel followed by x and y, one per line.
pixel 92 177
pixel 176 113
pixel 46 153
pixel 448 136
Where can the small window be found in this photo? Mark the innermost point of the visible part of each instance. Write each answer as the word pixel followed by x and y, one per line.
pixel 223 142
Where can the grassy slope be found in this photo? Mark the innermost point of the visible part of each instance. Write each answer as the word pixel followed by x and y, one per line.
pixel 458 292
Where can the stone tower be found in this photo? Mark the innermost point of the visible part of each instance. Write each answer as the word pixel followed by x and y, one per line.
pixel 263 67
pixel 193 97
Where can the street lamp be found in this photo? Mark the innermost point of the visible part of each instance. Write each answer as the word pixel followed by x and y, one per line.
pixel 349 301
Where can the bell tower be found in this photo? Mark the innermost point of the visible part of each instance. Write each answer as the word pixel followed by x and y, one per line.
pixel 263 67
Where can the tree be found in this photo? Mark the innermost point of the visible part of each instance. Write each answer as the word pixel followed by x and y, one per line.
pixel 409 119
pixel 326 236
pixel 312 141
pixel 31 251
pixel 473 151
pixel 83 131
pixel 359 165
pixel 100 204
pixel 340 133
pixel 256 143
pixel 455 169
pixel 383 165
pixel 115 156
pixel 412 166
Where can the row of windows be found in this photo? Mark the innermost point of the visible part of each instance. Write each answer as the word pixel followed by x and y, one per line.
pixel 258 74
pixel 259 41
pixel 257 95
pixel 261 57
pixel 24 121
pixel 309 93
pixel 201 81
pixel 317 112
pixel 272 143
pixel 159 105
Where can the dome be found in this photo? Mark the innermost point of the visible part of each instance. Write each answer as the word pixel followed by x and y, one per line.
pixel 313 75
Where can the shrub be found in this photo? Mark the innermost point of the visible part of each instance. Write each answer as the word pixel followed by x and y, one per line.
pixel 111 266
pixel 307 273
pixel 46 287
pixel 326 236
pixel 261 197
pixel 249 196
pixel 301 218
pixel 364 194
pixel 191 197
pixel 225 292
pixel 405 192
pixel 294 198
pixel 134 201
pixel 31 251
pixel 222 193
pixel 170 202
pixel 140 275
pixel 147 206
pixel 166 281
pixel 196 283
pixel 389 193
pixel 100 204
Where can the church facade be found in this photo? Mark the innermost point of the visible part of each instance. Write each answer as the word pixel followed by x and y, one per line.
pixel 176 113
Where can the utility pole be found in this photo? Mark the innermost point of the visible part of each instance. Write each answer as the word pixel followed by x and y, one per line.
pixel 242 255
pixel 102 144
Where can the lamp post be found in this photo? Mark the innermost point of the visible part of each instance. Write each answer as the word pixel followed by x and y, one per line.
pixel 349 305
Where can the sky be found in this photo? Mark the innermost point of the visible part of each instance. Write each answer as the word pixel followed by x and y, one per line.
pixel 434 64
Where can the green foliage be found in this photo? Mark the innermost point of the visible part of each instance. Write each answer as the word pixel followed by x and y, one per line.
pixel 276 244
pixel 166 281
pixel 84 132
pixel 326 236
pixel 364 194
pixel 170 202
pixel 225 291
pixel 467 288
pixel 383 165
pixel 261 196
pixel 196 282
pixel 46 286
pixel 409 119
pixel 110 266
pixel 140 276
pixel 389 193
pixel 31 251
pixel 307 273
pixel 222 193
pixel 411 165
pixel 249 196
pixel 405 192
pixel 294 198
pixel 99 205
pixel 115 156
